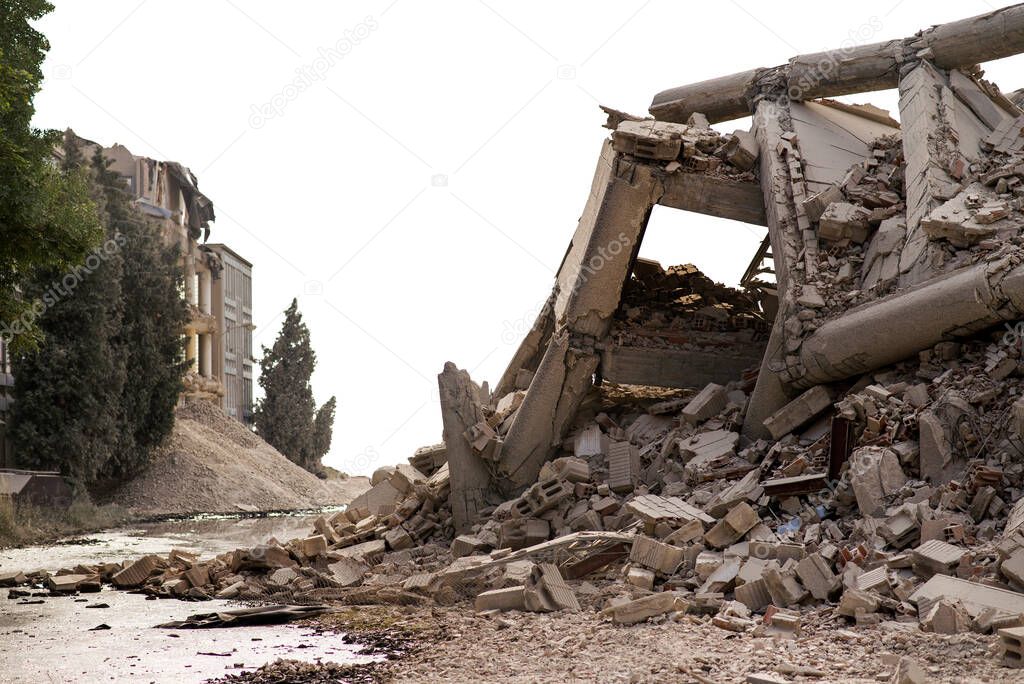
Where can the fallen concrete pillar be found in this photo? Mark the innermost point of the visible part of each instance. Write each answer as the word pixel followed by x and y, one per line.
pixel 888 330
pixel 562 380
pixel 588 289
pixel 470 478
pixel 846 71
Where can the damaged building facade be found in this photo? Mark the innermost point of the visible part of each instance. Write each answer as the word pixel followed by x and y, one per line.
pixel 218 282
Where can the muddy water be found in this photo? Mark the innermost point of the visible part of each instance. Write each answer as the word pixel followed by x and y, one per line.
pixel 53 641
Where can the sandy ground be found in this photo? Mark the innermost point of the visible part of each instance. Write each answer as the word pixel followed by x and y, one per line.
pixel 213 464
pixel 456 646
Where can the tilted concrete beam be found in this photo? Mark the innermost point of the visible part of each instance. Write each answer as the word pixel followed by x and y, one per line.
pixel 859 69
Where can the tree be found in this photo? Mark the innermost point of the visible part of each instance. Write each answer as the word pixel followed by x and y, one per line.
pixel 323 429
pixel 68 384
pixel 150 335
pixel 96 395
pixel 287 417
pixel 48 222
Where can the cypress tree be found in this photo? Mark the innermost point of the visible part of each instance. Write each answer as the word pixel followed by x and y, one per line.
pixel 150 335
pixel 286 417
pixel 323 429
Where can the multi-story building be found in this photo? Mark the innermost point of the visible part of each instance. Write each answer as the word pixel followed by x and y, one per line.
pixel 232 304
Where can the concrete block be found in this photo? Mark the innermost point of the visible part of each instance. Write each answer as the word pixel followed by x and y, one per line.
pixel 937 557
pixel 782 585
pixel 67 583
pixel 1013 567
pixel 367 552
pixel 623 467
pixel 1011 641
pixel 467 545
pixel 709 402
pixel 547 590
pixel 591 442
pixel 737 522
pixel 799 411
pixel 518 533
pixel 397 539
pixel 754 594
pixel 655 555
pixel 816 574
pixel 541 497
pixel 509 598
pixel 653 509
pixel 646 607
pixel 198 575
pixel 136 573
pixel 348 572
pixel 936 451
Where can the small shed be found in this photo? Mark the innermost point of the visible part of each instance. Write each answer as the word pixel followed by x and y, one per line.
pixel 45 489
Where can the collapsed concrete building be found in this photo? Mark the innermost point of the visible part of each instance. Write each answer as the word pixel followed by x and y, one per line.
pixel 850 434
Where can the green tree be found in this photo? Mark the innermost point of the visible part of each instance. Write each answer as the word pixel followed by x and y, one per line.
pixel 323 429
pixel 286 417
pixel 96 396
pixel 48 222
pixel 150 335
pixel 68 385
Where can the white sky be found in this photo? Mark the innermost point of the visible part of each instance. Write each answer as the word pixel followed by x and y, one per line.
pixel 419 194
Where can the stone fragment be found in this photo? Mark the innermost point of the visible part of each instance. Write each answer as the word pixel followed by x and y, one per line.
pixel 737 522
pixel 709 402
pixel 313 546
pixel 509 598
pixel 646 607
pixel 136 573
pixel 799 411
pixel 816 574
pixel 844 221
pixel 640 577
pixel 946 617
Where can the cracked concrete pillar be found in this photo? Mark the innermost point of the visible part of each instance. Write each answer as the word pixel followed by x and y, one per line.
pixel 469 476
pixel 588 288
pixel 769 393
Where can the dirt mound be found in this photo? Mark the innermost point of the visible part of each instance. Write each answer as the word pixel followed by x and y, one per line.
pixel 212 463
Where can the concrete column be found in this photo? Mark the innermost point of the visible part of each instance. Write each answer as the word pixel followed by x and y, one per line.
pixel 205 292
pixel 206 355
pixel 888 330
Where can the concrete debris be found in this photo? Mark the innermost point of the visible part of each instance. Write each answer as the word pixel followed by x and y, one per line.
pixel 838 441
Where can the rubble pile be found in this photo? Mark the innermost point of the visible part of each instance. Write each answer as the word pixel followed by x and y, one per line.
pixel 842 447
pixel 681 308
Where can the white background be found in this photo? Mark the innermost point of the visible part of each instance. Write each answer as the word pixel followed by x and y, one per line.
pixel 418 197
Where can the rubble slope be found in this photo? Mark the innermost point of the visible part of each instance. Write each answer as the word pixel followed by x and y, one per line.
pixel 213 464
